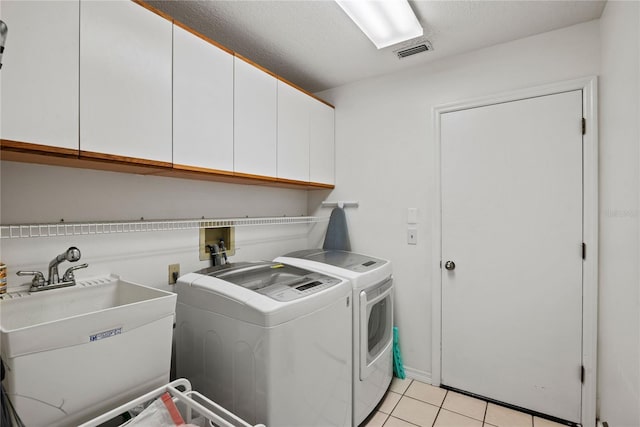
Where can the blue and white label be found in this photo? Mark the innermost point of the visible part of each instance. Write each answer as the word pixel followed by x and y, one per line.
pixel 105 334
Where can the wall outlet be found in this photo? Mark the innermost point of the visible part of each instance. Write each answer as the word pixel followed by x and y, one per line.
pixel 412 236
pixel 174 273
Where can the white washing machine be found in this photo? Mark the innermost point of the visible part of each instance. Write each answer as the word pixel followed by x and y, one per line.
pixel 372 319
pixel 268 341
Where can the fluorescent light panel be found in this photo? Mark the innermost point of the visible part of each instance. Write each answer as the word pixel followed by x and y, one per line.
pixel 385 22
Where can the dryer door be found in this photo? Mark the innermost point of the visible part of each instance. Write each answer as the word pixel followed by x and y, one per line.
pixel 376 325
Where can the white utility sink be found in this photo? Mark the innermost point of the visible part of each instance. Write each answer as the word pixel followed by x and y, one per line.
pixel 72 353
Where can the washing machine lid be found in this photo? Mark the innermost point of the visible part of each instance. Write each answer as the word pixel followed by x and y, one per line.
pixel 362 270
pixel 342 259
pixel 275 280
pixel 262 293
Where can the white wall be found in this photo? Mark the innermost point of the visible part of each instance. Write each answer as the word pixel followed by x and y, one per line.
pixel 384 154
pixel 619 326
pixel 33 193
pixel 384 146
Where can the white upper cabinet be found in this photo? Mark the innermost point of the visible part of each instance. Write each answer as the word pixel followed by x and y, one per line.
pixel 321 143
pixel 255 103
pixel 117 81
pixel 202 103
pixel 293 133
pixel 39 76
pixel 125 80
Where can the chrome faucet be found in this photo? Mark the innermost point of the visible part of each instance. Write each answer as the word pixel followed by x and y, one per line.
pixel 38 283
pixel 223 251
pixel 72 255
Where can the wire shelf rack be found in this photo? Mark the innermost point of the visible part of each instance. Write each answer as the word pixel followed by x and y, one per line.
pixel 61 229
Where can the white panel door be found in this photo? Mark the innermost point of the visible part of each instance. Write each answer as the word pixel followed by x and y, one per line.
pixel 125 80
pixel 512 224
pixel 321 143
pixel 39 77
pixel 202 103
pixel 255 120
pixel 293 133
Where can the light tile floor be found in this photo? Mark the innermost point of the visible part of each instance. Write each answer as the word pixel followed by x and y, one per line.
pixel 411 403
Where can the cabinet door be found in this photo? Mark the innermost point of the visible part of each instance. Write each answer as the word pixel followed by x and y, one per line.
pixel 39 77
pixel 293 133
pixel 125 81
pixel 321 143
pixel 255 101
pixel 202 103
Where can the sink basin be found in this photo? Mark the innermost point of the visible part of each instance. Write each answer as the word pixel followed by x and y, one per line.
pixel 72 353
pixel 69 316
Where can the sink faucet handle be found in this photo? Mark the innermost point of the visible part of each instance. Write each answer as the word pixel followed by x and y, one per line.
pixel 223 251
pixel 69 276
pixel 38 277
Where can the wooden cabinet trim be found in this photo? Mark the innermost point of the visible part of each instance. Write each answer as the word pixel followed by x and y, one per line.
pixel 321 186
pixel 42 154
pixel 306 92
pixel 203 37
pixel 154 10
pixel 256 177
pixel 51 159
pixel 198 169
pixel 258 66
pixel 123 159
pixel 18 146
pixel 292 181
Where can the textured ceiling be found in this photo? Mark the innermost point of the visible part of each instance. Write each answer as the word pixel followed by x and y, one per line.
pixel 313 44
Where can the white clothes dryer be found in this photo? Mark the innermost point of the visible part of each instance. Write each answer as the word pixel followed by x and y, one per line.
pixel 268 341
pixel 372 319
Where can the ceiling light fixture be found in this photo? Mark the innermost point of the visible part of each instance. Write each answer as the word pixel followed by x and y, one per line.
pixel 385 22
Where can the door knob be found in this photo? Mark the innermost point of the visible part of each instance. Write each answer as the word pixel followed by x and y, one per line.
pixel 449 265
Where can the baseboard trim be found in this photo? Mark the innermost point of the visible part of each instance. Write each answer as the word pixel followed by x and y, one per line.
pixel 416 374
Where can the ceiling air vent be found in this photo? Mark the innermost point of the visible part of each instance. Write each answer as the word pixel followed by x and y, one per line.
pixel 414 48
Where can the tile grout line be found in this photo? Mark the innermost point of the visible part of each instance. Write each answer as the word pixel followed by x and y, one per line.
pixel 389 415
pixel 394 406
pixel 484 416
pixel 463 415
pixel 440 408
pixel 418 400
pixel 486 409
pixel 401 419
pixel 407 388
pixel 385 419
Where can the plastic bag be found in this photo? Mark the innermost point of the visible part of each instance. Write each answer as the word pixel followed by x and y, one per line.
pixel 162 412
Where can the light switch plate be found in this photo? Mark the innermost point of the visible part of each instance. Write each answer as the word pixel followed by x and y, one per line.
pixel 412 215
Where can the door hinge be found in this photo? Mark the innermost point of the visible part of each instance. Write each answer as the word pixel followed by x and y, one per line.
pixel 584 250
pixel 582 374
pixel 584 126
